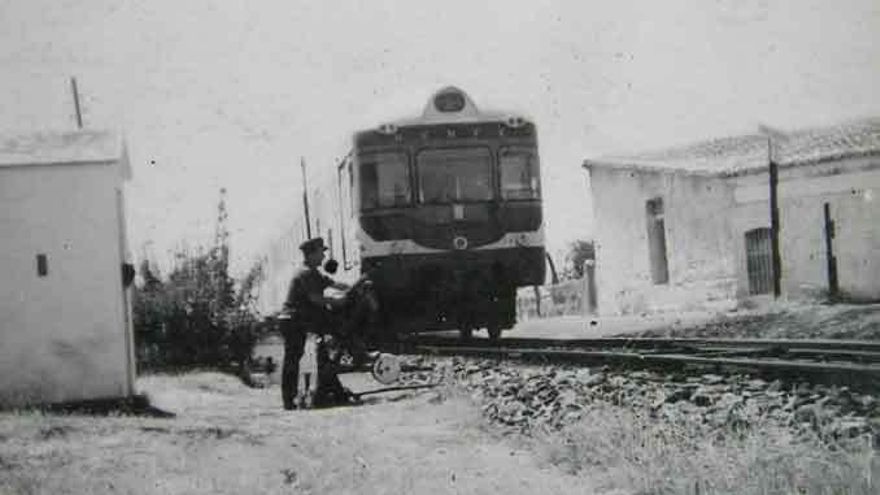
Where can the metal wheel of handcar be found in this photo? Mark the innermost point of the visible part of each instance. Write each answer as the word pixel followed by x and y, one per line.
pixel 494 332
pixel 386 368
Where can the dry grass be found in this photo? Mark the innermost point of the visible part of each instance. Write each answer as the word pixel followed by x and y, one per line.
pixel 619 449
pixel 227 438
pixel 786 320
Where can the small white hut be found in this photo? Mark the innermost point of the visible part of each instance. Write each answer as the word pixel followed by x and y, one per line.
pixel 65 317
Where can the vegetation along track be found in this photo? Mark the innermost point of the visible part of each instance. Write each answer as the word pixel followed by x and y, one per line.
pixel 853 363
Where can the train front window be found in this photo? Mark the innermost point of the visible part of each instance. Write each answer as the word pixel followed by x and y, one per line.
pixel 455 175
pixel 519 174
pixel 384 179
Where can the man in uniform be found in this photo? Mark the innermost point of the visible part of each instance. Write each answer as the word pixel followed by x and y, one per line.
pixel 307 311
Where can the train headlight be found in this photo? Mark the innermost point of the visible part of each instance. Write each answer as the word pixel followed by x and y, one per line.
pixel 387 129
pixel 515 122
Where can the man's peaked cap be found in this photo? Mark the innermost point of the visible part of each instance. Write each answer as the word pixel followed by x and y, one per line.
pixel 312 245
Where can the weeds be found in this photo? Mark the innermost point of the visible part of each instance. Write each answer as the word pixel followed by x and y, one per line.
pixel 621 449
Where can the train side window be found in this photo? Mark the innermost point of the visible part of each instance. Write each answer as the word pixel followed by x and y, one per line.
pixel 348 215
pixel 351 190
pixel 384 180
pixel 520 177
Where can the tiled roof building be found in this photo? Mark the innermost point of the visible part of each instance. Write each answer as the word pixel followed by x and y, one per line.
pixel 689 227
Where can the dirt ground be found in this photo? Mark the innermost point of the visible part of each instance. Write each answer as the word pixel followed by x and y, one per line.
pixel 227 438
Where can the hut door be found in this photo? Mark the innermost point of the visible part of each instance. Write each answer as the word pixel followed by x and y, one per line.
pixel 855 244
pixel 759 261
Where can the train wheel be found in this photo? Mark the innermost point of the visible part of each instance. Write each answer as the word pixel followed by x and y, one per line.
pixel 466 333
pixel 494 332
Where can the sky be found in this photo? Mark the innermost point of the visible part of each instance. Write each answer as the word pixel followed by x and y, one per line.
pixel 232 94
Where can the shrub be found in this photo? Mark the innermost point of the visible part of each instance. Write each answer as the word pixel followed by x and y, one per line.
pixel 196 316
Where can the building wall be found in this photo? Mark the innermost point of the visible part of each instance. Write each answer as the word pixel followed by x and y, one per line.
pixel 567 298
pixel 849 187
pixel 62 336
pixel 750 210
pixel 701 265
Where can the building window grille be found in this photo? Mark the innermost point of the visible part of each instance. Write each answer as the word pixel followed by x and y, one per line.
pixel 657 241
pixel 759 261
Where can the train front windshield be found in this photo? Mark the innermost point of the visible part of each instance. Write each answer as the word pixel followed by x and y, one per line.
pixel 455 175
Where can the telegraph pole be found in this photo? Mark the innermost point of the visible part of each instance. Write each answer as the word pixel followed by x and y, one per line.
pixel 831 260
pixel 774 222
pixel 302 162
pixel 774 208
pixel 79 122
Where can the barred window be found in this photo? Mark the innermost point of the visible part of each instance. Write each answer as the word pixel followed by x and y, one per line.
pixel 759 261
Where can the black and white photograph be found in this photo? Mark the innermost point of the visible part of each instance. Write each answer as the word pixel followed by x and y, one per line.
pixel 406 247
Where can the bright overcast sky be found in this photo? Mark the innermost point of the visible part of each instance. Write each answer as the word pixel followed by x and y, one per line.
pixel 225 93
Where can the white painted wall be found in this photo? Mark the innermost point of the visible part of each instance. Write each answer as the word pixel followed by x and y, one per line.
pixel 850 187
pixel 700 260
pixel 63 336
pixel 706 221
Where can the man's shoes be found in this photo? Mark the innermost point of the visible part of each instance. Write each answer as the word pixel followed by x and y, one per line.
pixel 350 397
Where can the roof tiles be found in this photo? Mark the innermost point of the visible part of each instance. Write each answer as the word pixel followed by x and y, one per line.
pixel 743 154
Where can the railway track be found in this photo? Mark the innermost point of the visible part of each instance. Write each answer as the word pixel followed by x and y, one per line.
pixel 852 363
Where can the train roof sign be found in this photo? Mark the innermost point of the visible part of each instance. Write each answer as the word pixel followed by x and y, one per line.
pixel 449 105
pixel 450 100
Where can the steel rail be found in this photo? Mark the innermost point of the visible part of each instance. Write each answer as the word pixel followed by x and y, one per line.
pixel 855 375
pixel 816 354
pixel 647 342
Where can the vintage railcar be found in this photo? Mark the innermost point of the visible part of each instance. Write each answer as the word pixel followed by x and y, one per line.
pixel 447 214
pixel 442 212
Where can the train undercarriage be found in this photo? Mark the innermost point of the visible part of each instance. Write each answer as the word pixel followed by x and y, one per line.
pixel 459 291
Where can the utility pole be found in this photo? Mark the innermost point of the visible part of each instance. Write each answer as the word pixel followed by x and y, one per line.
pixel 220 281
pixel 774 208
pixel 774 221
pixel 831 260
pixel 302 162
pixel 339 211
pixel 79 122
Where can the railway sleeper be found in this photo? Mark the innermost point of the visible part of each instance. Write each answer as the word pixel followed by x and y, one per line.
pixel 856 376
